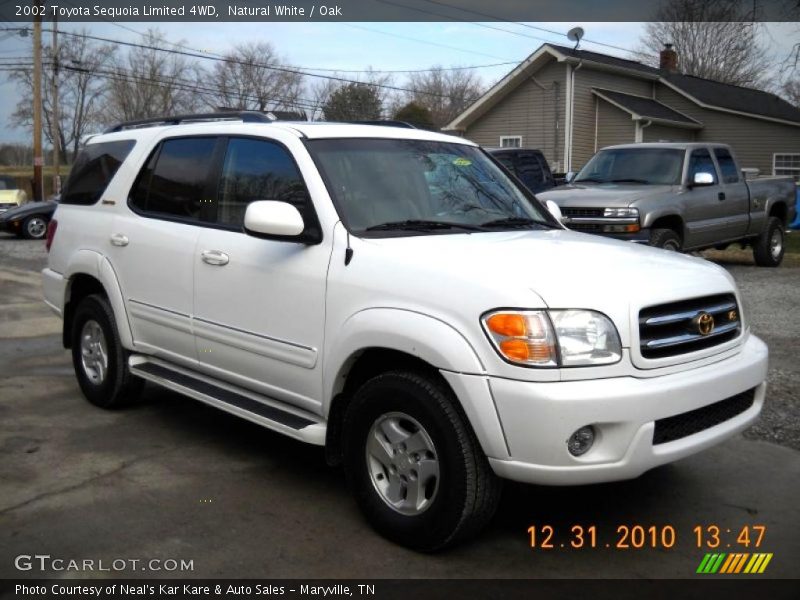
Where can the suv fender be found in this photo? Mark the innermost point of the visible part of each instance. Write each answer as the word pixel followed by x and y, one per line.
pixel 430 340
pixel 95 265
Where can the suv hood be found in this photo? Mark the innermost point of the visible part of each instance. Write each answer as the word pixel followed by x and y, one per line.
pixel 557 269
pixel 601 195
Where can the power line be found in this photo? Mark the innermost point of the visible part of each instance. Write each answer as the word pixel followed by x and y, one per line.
pixel 251 64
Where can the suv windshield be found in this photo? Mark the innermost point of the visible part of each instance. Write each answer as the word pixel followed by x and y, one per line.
pixel 654 166
pixel 417 186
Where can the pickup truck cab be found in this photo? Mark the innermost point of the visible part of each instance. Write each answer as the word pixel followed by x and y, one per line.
pixel 10 194
pixel 394 296
pixel 678 196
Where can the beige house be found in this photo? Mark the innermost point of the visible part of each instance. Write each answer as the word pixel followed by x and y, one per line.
pixel 570 103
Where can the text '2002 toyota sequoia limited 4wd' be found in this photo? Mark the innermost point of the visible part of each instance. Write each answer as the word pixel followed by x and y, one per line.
pixel 392 295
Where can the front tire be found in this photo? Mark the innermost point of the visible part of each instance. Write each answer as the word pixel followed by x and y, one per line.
pixel 666 239
pixel 413 462
pixel 100 361
pixel 770 246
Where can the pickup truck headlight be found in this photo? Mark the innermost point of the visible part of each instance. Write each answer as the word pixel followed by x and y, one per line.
pixel 621 212
pixel 556 338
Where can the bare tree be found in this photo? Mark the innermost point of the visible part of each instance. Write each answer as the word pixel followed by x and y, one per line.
pixel 790 91
pixel 445 93
pixel 713 39
pixel 245 83
pixel 81 89
pixel 149 82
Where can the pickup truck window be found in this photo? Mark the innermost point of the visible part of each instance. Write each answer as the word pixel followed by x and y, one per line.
pixel 727 166
pixel 377 183
pixel 257 170
pixel 700 162
pixel 654 166
pixel 6 183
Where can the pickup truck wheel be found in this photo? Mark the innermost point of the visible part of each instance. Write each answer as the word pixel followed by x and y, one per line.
pixel 414 464
pixel 34 227
pixel 100 361
pixel 666 239
pixel 768 250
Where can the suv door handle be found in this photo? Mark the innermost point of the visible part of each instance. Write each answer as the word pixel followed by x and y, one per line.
pixel 721 196
pixel 214 257
pixel 117 239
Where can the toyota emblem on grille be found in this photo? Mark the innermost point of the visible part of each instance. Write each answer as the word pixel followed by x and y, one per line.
pixel 704 323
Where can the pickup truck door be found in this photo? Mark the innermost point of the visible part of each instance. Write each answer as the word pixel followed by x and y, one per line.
pixel 259 304
pixel 735 196
pixel 706 213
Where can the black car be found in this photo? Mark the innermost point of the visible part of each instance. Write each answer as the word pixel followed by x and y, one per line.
pixel 29 220
pixel 529 165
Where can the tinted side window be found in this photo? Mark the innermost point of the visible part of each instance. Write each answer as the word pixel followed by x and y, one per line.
pixel 93 169
pixel 727 166
pixel 700 162
pixel 529 170
pixel 174 182
pixel 258 170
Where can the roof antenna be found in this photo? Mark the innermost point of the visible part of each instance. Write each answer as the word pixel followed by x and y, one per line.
pixel 348 252
pixel 575 34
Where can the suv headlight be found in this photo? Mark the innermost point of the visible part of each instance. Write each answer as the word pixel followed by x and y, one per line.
pixel 621 212
pixel 554 338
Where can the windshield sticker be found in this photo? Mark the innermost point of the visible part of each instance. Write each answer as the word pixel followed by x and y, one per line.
pixel 462 162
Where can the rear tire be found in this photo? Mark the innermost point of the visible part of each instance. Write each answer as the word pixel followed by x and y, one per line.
pixel 426 484
pixel 666 239
pixel 770 246
pixel 100 361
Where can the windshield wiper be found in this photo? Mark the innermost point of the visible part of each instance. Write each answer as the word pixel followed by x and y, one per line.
pixel 517 223
pixel 589 180
pixel 628 180
pixel 421 225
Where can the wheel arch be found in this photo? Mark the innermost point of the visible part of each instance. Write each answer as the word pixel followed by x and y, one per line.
pixel 670 220
pixel 381 340
pixel 90 273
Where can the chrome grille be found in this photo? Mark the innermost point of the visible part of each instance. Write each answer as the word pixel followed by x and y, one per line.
pixel 676 328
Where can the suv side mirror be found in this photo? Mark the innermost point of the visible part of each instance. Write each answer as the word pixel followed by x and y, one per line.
pixel 569 177
pixel 702 178
pixel 272 219
pixel 555 210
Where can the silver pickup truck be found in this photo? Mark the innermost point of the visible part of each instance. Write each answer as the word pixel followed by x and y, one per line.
pixel 678 196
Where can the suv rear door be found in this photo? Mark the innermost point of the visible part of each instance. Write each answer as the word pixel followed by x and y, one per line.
pixel 153 244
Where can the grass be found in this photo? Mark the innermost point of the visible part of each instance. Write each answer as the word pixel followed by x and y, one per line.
pixel 793 242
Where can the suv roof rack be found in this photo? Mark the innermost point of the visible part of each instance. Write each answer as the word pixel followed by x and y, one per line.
pixel 385 123
pixel 246 116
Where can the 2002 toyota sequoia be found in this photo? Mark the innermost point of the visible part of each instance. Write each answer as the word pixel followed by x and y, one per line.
pixel 393 295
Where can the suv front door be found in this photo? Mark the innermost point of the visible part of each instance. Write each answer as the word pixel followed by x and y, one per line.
pixel 259 304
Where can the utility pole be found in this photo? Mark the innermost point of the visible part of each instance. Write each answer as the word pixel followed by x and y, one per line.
pixel 54 125
pixel 37 104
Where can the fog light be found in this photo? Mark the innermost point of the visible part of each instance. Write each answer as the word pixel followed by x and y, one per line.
pixel 580 441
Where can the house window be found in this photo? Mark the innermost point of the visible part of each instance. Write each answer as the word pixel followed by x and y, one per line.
pixel 786 164
pixel 511 141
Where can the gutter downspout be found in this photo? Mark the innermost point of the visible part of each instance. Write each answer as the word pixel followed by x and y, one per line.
pixel 640 130
pixel 571 113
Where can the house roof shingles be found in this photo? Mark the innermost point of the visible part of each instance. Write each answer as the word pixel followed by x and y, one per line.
pixel 707 91
pixel 645 107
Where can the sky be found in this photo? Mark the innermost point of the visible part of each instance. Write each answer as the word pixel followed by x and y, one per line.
pixel 356 46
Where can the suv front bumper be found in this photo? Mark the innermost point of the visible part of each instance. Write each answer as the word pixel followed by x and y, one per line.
pixel 538 418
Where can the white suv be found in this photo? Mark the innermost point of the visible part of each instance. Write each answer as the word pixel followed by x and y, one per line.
pixel 396 296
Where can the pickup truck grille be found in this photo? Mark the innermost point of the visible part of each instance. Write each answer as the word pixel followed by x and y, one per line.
pixel 695 421
pixel 591 213
pixel 582 212
pixel 689 325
